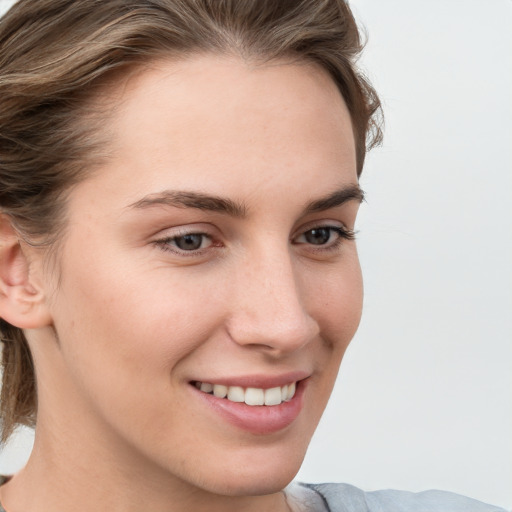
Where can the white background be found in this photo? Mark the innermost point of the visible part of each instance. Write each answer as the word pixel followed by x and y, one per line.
pixel 424 398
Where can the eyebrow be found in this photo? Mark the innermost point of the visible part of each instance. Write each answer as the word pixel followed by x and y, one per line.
pixel 337 198
pixel 197 200
pixel 212 203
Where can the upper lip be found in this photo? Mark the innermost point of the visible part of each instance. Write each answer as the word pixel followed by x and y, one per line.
pixel 257 381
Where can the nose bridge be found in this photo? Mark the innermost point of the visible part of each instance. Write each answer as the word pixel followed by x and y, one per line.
pixel 270 309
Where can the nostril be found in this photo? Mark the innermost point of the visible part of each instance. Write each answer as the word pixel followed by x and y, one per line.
pixel 274 334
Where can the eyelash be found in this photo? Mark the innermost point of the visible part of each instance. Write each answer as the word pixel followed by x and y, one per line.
pixel 343 233
pixel 165 244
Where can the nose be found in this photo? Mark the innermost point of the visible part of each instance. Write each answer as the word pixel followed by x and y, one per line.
pixel 269 309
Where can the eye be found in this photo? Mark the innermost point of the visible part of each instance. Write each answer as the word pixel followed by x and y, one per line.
pixel 190 242
pixel 318 236
pixel 329 236
pixel 187 242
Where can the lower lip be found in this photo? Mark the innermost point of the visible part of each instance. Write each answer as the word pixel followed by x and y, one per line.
pixel 257 419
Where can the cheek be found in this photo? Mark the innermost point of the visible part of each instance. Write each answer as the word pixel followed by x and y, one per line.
pixel 123 335
pixel 127 336
pixel 336 301
pixel 337 307
pixel 132 302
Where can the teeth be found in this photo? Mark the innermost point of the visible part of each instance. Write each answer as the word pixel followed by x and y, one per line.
pixel 273 396
pixel 206 387
pixel 254 396
pixel 251 396
pixel 220 391
pixel 291 391
pixel 236 394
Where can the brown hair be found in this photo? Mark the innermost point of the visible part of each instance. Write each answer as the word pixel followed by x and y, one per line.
pixel 56 54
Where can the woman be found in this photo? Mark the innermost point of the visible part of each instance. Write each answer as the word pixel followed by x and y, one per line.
pixel 179 278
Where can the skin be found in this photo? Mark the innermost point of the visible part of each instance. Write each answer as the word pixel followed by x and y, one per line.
pixel 130 320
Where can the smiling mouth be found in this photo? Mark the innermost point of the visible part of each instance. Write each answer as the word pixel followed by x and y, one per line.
pixel 249 396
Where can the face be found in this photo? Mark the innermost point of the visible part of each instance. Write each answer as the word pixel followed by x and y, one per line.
pixel 211 254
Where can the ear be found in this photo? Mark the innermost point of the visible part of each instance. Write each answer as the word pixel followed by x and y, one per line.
pixel 22 299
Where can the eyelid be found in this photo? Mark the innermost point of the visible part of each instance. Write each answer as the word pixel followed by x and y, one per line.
pixel 162 241
pixel 343 232
pixel 324 223
pixel 187 229
pixel 331 247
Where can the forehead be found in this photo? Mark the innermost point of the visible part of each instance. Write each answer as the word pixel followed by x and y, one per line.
pixel 225 104
pixel 221 124
pixel 213 87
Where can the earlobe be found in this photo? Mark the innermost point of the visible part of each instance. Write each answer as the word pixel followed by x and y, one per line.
pixel 22 300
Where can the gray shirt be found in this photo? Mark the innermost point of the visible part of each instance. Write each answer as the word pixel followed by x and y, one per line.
pixel 347 498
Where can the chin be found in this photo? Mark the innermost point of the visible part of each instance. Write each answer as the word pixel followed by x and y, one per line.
pixel 255 477
pixel 256 485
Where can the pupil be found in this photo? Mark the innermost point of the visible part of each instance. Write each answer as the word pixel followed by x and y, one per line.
pixel 318 236
pixel 189 242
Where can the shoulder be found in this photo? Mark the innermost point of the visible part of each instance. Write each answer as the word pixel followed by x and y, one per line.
pixel 347 498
